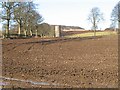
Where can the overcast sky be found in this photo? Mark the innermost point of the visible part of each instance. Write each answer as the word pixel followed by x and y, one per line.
pixel 74 12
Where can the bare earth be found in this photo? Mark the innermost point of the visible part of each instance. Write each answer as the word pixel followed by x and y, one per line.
pixel 81 62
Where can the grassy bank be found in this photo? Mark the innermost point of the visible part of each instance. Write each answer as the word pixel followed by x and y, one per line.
pixel 89 34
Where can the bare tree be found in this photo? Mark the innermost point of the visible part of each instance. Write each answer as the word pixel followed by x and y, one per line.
pixel 95 17
pixel 34 19
pixel 18 15
pixel 22 13
pixel 115 16
pixel 7 12
pixel 27 17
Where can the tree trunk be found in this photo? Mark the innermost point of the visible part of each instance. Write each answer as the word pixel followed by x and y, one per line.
pixel 25 32
pixel 7 30
pixel 94 32
pixel 94 29
pixel 41 35
pixel 36 34
pixel 19 30
pixel 118 31
pixel 31 34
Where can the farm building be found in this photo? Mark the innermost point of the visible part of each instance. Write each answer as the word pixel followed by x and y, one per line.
pixel 60 29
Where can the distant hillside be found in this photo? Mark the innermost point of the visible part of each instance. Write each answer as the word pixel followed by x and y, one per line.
pixel 70 28
pixel 111 29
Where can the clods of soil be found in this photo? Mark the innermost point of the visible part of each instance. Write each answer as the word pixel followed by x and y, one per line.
pixel 79 62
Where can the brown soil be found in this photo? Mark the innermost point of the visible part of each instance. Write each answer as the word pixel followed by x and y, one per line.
pixel 80 62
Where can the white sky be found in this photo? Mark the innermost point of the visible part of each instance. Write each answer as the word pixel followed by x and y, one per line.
pixel 74 12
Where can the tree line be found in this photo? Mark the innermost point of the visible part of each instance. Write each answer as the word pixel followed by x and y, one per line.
pixel 24 17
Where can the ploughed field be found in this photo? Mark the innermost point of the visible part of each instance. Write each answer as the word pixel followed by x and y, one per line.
pixel 59 62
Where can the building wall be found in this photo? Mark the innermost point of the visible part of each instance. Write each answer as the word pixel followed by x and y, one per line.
pixel 57 31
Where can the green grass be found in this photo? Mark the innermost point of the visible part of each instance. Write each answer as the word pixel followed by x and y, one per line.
pixel 89 34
